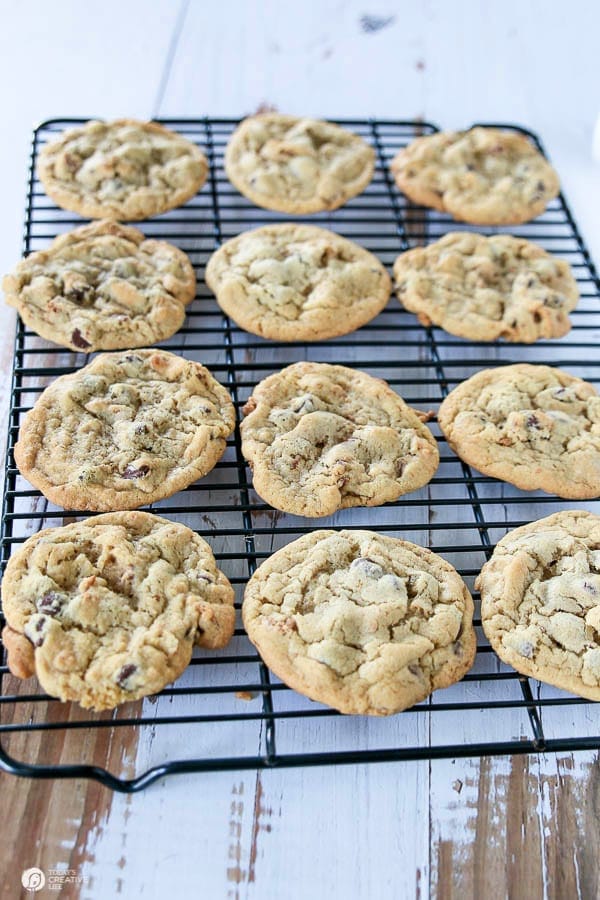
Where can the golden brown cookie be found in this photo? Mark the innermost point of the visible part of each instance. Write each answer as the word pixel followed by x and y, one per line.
pixel 293 282
pixel 485 176
pixel 367 624
pixel 121 170
pixel 297 165
pixel 484 288
pixel 128 429
pixel 103 287
pixel 108 610
pixel 321 438
pixel 533 426
pixel 540 601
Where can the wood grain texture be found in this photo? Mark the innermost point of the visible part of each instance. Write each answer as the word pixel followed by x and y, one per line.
pixel 521 828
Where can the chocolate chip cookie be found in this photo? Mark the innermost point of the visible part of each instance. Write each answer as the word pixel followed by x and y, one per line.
pixel 297 165
pixel 293 282
pixel 321 438
pixel 128 429
pixel 534 426
pixel 540 601
pixel 367 624
pixel 103 287
pixel 485 176
pixel 108 610
pixel 121 170
pixel 484 288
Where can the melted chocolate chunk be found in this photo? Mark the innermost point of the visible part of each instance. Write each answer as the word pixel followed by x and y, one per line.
pixel 39 625
pixel 367 567
pixel 50 603
pixel 79 340
pixel 303 405
pixel 131 473
pixel 83 296
pixel 125 673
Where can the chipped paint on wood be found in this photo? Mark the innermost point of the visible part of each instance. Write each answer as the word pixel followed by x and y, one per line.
pixel 516 830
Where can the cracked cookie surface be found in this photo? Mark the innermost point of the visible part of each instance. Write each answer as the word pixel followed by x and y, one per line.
pixel 485 176
pixel 321 438
pixel 123 169
pixel 362 622
pixel 108 610
pixel 536 427
pixel 297 282
pixel 484 288
pixel 128 429
pixel 540 601
pixel 297 165
pixel 103 287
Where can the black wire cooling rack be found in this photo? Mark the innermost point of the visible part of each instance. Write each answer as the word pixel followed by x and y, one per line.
pixel 227 711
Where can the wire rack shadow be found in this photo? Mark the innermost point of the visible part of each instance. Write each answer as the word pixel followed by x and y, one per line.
pixel 227 711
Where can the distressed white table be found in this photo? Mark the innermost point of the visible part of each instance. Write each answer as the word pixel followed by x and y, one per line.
pixel 514 827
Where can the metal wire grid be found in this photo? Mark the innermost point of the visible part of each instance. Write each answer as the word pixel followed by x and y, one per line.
pixel 207 713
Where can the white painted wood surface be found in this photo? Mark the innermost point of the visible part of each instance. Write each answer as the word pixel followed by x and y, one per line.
pixel 412 829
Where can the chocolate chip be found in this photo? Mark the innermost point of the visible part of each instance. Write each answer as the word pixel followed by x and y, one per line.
pixel 131 474
pixel 553 302
pixel 531 282
pixel 79 340
pixel 533 422
pixel 541 186
pixel 125 673
pixel 50 603
pixel 84 296
pixel 304 405
pixel 39 626
pixel 367 567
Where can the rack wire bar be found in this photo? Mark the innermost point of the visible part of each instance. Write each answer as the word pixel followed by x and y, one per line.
pixel 227 711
